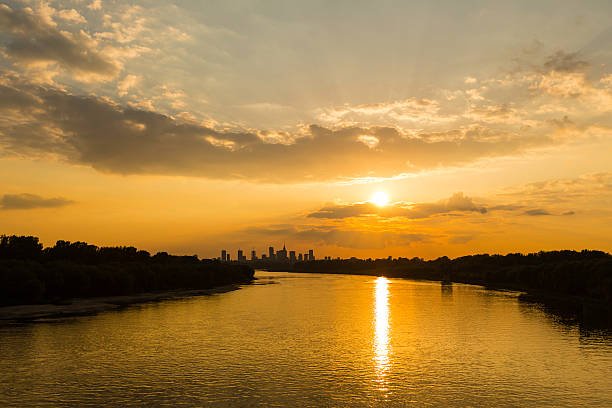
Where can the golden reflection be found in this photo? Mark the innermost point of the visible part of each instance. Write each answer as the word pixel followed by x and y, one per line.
pixel 381 331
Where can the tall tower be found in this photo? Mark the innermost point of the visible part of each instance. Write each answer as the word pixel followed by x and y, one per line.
pixel 271 253
pixel 253 255
pixel 223 255
pixel 281 255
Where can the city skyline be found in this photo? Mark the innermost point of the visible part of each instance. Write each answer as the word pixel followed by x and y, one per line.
pixel 281 255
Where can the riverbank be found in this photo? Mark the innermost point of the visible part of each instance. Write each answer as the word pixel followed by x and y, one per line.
pixel 92 306
pixel 33 275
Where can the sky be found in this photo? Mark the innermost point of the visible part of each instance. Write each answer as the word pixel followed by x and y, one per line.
pixel 196 126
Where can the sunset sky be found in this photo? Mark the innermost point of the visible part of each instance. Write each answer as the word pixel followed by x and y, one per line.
pixel 202 125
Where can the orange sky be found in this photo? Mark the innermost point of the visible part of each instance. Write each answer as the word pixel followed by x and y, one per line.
pixel 191 128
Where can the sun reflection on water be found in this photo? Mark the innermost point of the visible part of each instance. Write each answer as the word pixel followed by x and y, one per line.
pixel 381 331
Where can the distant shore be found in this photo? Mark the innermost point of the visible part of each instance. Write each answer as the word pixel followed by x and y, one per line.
pixel 92 306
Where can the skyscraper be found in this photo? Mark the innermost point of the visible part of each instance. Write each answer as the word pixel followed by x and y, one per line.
pixel 311 255
pixel 292 257
pixel 253 255
pixel 281 255
pixel 223 255
pixel 271 253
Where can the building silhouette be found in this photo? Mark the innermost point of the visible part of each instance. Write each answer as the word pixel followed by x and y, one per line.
pixel 271 253
pixel 281 254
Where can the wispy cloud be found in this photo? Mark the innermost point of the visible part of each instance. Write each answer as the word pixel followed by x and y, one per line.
pixel 27 201
pixel 537 212
pixel 457 203
pixel 339 236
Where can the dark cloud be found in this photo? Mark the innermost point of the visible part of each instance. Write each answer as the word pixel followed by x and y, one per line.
pixel 458 202
pixel 16 100
pixel 111 138
pixel 564 123
pixel 349 210
pixel 537 212
pixel 30 39
pixel 565 62
pixel 505 207
pixel 460 239
pixel 359 239
pixel 30 201
pixel 342 237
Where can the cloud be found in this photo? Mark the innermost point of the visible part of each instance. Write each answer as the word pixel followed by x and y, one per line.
pixel 111 138
pixel 72 16
pixel 361 141
pixel 95 5
pixel 586 187
pixel 564 84
pixel 562 61
pixel 127 83
pixel 30 201
pixel 408 111
pixel 505 207
pixel 348 210
pixel 370 141
pixel 587 194
pixel 34 39
pixel 457 220
pixel 461 239
pixel 537 212
pixel 341 237
pixel 457 203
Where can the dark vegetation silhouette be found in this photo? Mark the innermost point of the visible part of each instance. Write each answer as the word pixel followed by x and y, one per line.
pixel 584 277
pixel 30 273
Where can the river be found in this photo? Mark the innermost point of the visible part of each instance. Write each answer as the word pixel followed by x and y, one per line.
pixel 312 340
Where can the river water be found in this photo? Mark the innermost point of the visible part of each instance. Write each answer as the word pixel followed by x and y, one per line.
pixel 312 340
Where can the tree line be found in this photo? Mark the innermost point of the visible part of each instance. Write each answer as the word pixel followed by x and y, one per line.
pixel 585 274
pixel 30 273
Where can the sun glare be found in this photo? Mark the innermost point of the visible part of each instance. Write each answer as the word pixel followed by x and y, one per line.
pixel 380 198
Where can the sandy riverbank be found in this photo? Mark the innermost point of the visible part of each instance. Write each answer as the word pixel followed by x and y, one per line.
pixel 92 306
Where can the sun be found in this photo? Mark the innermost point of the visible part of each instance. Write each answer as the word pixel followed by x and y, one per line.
pixel 380 198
